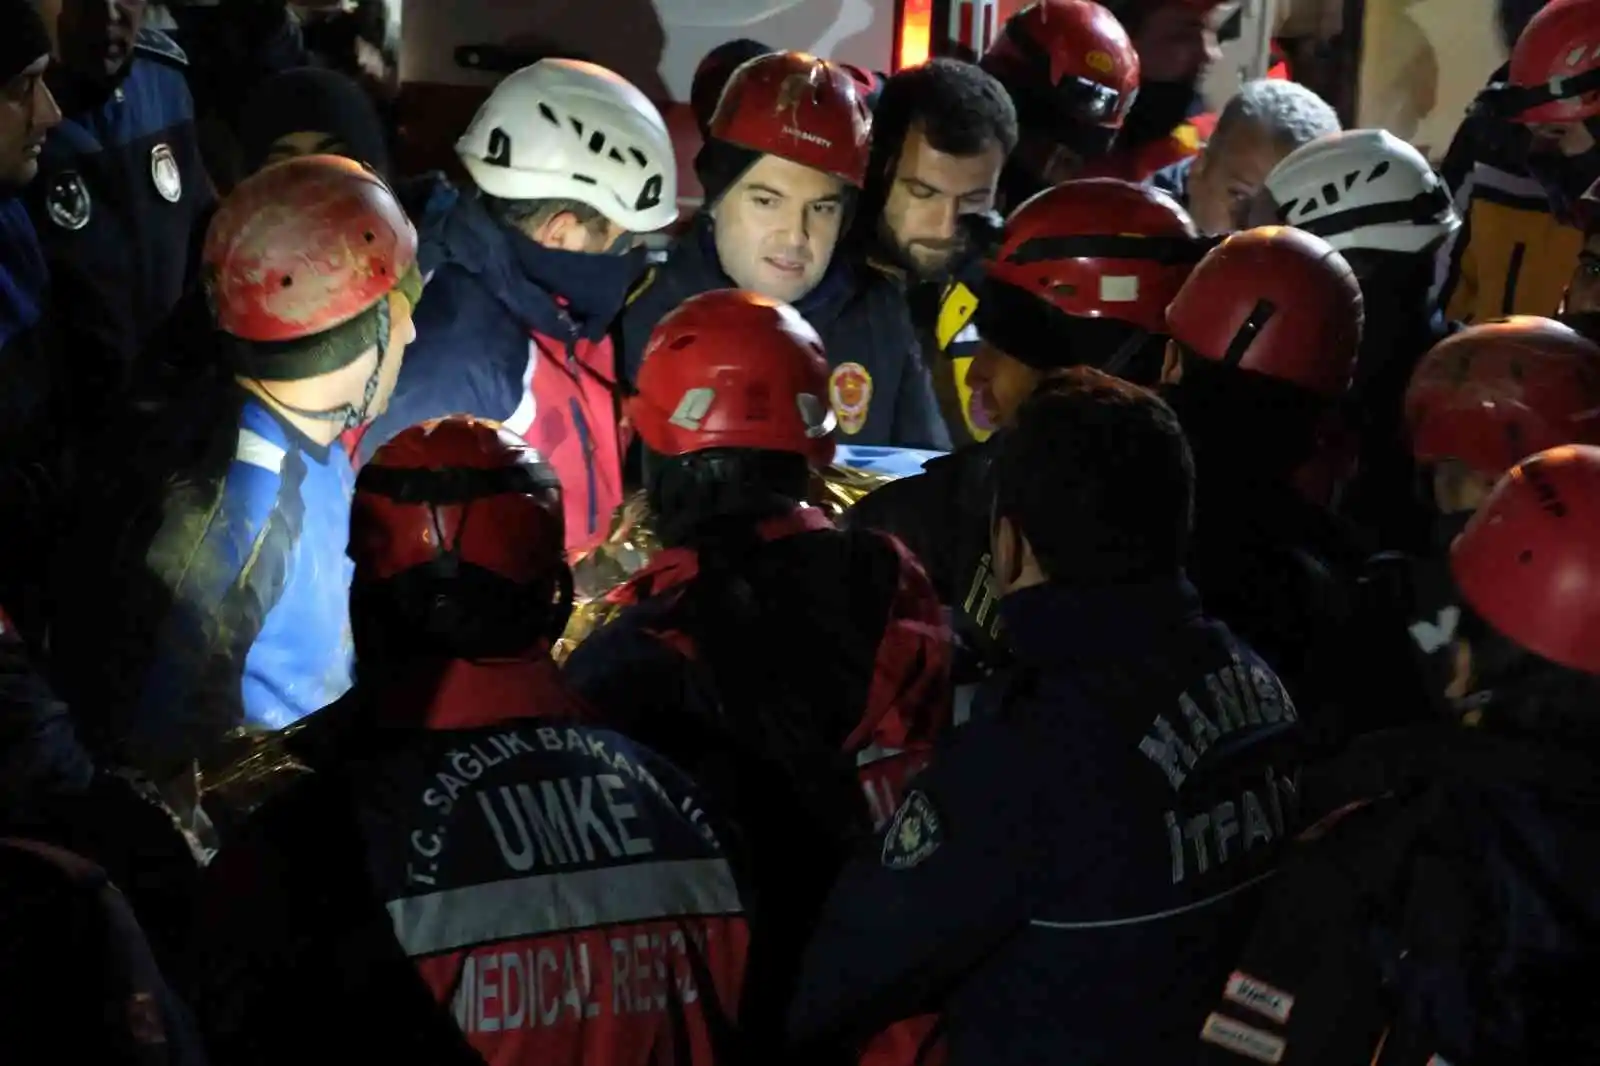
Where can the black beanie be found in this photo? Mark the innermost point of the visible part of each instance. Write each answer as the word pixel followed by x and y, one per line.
pixel 312 100
pixel 718 165
pixel 25 38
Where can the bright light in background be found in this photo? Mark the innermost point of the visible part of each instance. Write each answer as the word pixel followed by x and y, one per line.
pixel 916 34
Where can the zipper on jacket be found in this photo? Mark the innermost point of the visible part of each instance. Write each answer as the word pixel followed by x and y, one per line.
pixel 1513 272
pixel 586 442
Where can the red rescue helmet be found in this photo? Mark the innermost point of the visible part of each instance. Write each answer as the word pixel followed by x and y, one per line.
pixel 1554 73
pixel 455 493
pixel 304 246
pixel 1069 65
pixel 1494 394
pixel 1099 248
pixel 1275 301
pixel 800 108
pixel 731 369
pixel 1528 562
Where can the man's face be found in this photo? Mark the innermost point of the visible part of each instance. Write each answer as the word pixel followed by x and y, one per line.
pixel 1228 174
pixel 776 228
pixel 96 36
pixel 1176 43
pixel 1000 383
pixel 929 193
pixel 27 113
pixel 1583 295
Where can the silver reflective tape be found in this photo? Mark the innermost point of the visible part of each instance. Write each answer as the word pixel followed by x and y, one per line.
pixel 257 450
pixel 526 907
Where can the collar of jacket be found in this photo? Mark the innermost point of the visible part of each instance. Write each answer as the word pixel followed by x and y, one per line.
pixel 672 567
pixel 551 292
pixel 696 255
pixel 467 694
pixel 1051 625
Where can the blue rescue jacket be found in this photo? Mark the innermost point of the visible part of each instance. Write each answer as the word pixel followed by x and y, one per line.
pixel 1074 873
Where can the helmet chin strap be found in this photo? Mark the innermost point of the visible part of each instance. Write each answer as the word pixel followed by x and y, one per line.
pixel 349 415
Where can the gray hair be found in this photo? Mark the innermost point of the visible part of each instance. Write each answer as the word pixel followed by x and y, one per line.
pixel 1286 111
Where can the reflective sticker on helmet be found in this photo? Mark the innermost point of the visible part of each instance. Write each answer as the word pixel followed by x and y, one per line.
pixel 1256 995
pixel 815 415
pixel 692 409
pixel 1119 289
pixel 1241 1039
pixel 1098 61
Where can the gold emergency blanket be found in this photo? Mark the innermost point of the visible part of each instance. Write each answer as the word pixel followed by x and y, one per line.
pixel 254 764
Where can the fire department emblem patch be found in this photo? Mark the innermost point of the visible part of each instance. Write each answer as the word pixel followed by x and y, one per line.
pixel 164 174
pixel 914 833
pixel 67 200
pixel 850 393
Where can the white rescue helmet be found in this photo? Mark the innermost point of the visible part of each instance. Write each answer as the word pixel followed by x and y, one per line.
pixel 1363 189
pixel 563 129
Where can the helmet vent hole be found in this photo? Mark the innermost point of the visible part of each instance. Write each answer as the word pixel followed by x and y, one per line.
pixel 287 281
pixel 548 115
pixel 680 343
pixel 369 236
pixel 1525 557
pixel 1379 171
pixel 1330 194
pixel 639 157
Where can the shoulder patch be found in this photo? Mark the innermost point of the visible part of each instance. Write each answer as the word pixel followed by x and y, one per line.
pixel 640 287
pixel 915 832
pixel 152 42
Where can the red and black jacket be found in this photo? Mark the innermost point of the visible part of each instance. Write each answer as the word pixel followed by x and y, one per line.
pixel 558 889
pixel 765 664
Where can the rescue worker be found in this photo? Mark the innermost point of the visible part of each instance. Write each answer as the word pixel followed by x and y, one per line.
pixel 1264 339
pixel 29 421
pixel 1497 941
pixel 1177 43
pixel 1479 403
pixel 1073 75
pixel 1557 97
pixel 535 267
pixel 941 133
pixel 1480 274
pixel 761 649
pixel 555 888
pixel 782 172
pixel 1082 277
pixel 1123 801
pixel 122 198
pixel 1261 124
pixel 229 570
pixel 1388 220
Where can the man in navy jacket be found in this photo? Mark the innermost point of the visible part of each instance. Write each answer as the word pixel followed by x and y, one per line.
pixel 1073 875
